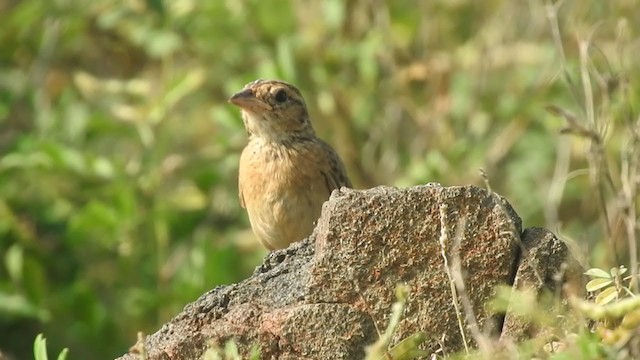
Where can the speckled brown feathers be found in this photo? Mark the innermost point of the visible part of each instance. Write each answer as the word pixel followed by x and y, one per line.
pixel 286 171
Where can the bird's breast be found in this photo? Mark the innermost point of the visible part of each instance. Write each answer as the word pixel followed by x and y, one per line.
pixel 282 190
pixel 278 168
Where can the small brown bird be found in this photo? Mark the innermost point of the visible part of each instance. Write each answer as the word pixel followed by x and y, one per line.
pixel 286 171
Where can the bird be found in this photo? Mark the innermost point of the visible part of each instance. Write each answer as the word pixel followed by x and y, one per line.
pixel 286 171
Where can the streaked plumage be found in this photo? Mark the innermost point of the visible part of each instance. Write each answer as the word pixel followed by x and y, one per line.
pixel 286 171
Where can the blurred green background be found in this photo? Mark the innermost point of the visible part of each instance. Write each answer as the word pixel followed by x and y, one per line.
pixel 119 152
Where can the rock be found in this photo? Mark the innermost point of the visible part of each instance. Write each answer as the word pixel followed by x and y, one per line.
pixel 324 297
pixel 545 265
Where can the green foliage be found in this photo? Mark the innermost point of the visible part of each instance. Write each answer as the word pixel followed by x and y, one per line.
pixel 615 311
pixel 118 151
pixel 609 284
pixel 408 348
pixel 229 352
pixel 40 349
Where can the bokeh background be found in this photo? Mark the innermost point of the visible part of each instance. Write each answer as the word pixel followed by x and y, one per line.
pixel 119 152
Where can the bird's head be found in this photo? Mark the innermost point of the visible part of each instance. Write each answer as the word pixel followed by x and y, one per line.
pixel 273 110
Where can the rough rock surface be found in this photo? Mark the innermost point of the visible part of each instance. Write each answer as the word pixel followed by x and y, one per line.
pixel 324 297
pixel 545 265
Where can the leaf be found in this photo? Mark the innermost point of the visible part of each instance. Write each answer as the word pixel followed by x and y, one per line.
pixel 407 349
pixel 14 259
pixel 611 311
pixel 40 348
pixel 17 305
pixel 63 354
pixel 575 126
pixel 614 272
pixel 606 296
pixel 560 112
pixel 622 270
pixel 597 284
pixel 596 272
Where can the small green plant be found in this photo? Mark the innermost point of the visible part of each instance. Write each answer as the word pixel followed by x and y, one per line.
pixel 40 349
pixel 406 349
pixel 229 352
pixel 615 311
pixel 610 284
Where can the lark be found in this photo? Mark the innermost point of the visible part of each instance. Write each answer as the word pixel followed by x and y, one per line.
pixel 286 171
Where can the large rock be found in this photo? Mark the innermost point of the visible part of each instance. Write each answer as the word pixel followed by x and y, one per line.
pixel 324 297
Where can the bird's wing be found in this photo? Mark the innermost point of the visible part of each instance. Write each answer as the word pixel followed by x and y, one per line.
pixel 241 196
pixel 334 173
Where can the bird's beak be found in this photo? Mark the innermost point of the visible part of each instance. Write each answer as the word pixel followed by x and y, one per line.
pixel 246 100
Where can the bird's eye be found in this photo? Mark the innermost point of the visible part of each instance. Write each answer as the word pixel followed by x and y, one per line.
pixel 281 96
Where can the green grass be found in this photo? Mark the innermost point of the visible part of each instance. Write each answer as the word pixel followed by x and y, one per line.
pixel 118 168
